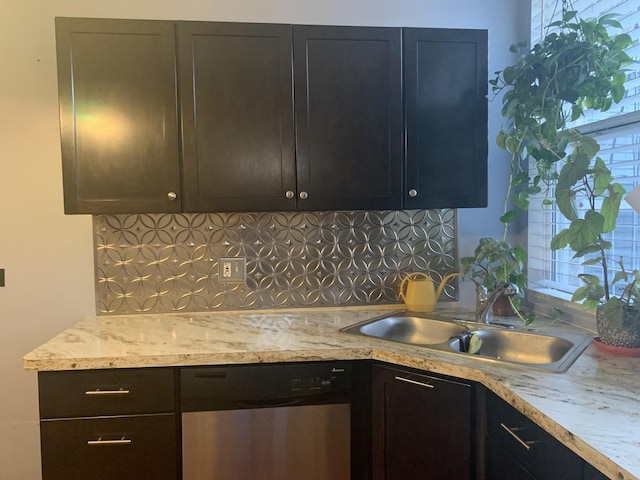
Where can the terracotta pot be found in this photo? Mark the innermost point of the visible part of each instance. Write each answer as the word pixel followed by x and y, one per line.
pixel 628 336
pixel 502 307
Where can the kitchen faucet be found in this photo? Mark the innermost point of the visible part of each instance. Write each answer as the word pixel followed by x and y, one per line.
pixel 486 299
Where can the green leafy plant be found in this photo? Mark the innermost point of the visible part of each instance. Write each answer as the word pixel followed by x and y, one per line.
pixel 495 263
pixel 577 67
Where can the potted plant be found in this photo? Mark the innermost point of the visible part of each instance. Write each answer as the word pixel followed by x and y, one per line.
pixel 575 68
pixel 495 263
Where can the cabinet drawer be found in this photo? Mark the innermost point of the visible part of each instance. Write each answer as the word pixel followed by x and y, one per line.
pixel 123 448
pixel 534 449
pixel 88 393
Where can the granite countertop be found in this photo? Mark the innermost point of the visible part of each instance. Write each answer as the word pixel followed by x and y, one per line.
pixel 593 408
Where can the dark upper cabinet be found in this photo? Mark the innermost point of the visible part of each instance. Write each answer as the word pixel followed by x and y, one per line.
pixel 348 91
pixel 118 115
pixel 236 103
pixel 272 117
pixel 445 101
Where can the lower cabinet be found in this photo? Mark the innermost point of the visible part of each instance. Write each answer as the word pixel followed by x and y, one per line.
pixel 406 424
pixel 109 424
pixel 591 473
pixel 517 449
pixel 422 426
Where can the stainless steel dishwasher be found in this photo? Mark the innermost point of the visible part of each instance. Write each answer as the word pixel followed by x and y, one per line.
pixel 266 422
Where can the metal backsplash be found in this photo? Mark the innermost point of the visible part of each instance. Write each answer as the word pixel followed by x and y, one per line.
pixel 169 262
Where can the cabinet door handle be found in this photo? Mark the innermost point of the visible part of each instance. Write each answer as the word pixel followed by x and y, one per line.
pixel 289 194
pixel 97 391
pixel 172 196
pixel 413 193
pixel 304 195
pixel 100 441
pixel 415 382
pixel 512 431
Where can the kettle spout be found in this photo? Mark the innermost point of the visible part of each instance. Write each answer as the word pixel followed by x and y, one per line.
pixel 444 282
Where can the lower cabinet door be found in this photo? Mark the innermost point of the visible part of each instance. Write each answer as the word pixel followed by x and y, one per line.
pixel 123 448
pixel 502 466
pixel 512 435
pixel 422 426
pixel 591 473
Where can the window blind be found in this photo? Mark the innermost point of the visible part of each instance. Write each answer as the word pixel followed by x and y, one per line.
pixel 618 132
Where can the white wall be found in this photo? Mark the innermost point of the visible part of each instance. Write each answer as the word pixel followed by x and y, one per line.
pixel 48 256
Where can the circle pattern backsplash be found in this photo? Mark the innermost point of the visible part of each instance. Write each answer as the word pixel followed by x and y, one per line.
pixel 160 263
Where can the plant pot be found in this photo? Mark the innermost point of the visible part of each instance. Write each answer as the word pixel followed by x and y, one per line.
pixel 502 307
pixel 628 336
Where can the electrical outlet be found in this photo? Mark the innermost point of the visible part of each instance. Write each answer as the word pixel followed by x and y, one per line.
pixel 232 270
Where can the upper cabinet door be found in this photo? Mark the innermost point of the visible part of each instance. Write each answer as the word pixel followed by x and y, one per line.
pixel 446 118
pixel 348 88
pixel 237 111
pixel 118 115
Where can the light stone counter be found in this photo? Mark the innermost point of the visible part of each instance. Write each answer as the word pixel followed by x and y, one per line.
pixel 593 408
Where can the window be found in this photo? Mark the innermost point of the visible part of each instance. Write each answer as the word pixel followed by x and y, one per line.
pixel 618 132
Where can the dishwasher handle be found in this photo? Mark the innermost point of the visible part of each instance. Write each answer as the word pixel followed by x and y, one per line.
pixel 269 403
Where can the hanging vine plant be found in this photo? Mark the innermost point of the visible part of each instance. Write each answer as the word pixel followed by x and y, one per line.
pixel 577 67
pixel 574 69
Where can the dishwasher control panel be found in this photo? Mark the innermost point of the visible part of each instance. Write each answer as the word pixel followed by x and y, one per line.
pixel 264 385
pixel 318 381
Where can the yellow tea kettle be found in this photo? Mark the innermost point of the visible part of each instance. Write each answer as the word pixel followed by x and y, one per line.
pixel 418 292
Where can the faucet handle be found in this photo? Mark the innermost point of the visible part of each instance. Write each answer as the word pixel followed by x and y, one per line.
pixel 482 294
pixel 510 289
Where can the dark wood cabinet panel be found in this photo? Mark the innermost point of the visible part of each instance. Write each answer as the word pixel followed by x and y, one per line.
pixel 123 448
pixel 85 393
pixel 592 473
pixel 348 89
pixel 445 77
pixel 361 460
pixel 514 438
pixel 501 465
pixel 237 111
pixel 118 115
pixel 106 424
pixel 422 426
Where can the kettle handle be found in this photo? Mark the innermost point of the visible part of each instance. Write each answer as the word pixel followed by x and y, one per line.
pixel 403 285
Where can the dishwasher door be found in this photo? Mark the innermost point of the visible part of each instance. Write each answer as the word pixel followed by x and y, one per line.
pixel 310 442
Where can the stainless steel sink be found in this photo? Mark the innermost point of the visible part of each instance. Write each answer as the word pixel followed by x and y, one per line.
pixel 553 352
pixel 409 328
pixel 528 348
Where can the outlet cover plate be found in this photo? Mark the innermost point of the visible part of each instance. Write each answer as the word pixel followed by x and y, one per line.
pixel 232 270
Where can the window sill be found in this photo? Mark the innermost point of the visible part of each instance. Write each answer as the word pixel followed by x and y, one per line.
pixel 547 301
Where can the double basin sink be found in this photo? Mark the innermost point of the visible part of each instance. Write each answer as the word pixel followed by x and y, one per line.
pixel 553 352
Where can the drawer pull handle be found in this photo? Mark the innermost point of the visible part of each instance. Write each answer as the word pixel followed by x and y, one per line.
pixel 512 431
pixel 97 391
pixel 414 382
pixel 100 441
